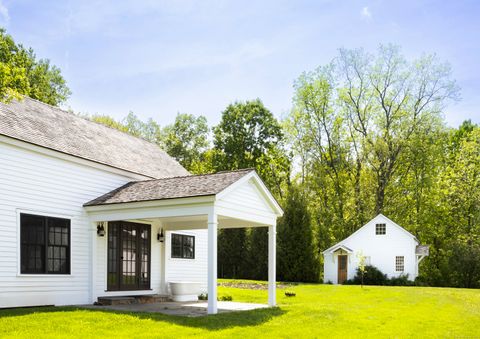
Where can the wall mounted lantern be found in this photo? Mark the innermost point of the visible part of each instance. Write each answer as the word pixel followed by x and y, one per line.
pixel 101 229
pixel 160 236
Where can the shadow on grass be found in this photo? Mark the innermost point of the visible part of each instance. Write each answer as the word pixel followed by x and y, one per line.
pixel 212 322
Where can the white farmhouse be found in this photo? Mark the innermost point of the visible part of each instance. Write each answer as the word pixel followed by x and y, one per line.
pixel 89 213
pixel 383 243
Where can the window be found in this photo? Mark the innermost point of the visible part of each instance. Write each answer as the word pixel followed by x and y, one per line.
pixel 44 245
pixel 183 246
pixel 380 229
pixel 399 263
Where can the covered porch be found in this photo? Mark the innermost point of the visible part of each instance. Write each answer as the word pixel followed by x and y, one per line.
pixel 204 202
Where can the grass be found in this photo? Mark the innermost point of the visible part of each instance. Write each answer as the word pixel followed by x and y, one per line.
pixel 316 311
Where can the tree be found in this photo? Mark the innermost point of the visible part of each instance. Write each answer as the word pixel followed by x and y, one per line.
pixel 362 266
pixel 22 74
pixel 364 129
pixel 249 136
pixel 187 140
pixel 297 253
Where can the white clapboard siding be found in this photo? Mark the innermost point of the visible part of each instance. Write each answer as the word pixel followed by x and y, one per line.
pixel 37 183
pixel 194 270
pixel 246 202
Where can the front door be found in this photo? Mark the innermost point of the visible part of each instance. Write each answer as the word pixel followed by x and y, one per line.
pixel 128 256
pixel 342 268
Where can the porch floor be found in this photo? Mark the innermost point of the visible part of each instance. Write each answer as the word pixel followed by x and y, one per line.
pixel 187 309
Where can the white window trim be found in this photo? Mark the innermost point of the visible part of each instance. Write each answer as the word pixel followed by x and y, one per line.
pixel 399 256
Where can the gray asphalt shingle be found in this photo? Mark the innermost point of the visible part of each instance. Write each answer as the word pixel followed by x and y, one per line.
pixel 170 188
pixel 38 123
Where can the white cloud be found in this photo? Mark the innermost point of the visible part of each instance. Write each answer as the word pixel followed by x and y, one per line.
pixel 366 14
pixel 4 16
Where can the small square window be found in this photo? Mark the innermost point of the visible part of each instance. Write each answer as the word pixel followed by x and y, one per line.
pixel 399 263
pixel 380 229
pixel 183 246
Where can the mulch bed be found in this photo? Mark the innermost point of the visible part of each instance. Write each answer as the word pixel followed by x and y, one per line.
pixel 254 286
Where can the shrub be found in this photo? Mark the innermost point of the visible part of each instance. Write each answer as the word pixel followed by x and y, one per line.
pixel 203 296
pixel 290 294
pixel 372 276
pixel 401 280
pixel 225 298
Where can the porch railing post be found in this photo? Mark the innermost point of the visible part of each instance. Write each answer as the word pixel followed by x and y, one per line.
pixel 212 262
pixel 272 235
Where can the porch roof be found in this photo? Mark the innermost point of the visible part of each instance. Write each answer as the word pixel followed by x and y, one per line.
pixel 171 188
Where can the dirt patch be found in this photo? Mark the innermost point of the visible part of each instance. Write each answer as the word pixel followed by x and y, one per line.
pixel 253 286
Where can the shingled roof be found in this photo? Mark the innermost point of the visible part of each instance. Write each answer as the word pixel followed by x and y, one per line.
pixel 171 188
pixel 37 123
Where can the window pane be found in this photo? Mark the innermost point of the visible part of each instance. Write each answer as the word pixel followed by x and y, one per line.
pixel 32 251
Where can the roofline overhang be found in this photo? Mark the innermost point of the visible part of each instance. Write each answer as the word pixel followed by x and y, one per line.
pixel 202 199
pixel 337 247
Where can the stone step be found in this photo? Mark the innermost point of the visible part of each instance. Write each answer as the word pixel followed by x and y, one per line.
pixel 133 299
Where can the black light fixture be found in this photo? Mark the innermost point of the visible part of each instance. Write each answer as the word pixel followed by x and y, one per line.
pixel 160 236
pixel 100 229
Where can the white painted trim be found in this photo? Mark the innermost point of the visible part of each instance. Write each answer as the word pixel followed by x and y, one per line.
pixel 71 158
pixel 150 203
pixel 257 181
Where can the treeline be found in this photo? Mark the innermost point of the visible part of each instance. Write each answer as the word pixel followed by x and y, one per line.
pixel 366 135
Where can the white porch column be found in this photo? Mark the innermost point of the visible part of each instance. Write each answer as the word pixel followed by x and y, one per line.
pixel 212 261
pixel 272 236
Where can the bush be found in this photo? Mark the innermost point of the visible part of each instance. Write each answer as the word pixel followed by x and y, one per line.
pixel 401 280
pixel 290 294
pixel 225 298
pixel 203 296
pixel 373 276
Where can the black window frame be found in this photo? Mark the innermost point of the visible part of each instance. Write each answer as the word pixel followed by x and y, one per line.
pixel 184 253
pixel 381 229
pixel 52 241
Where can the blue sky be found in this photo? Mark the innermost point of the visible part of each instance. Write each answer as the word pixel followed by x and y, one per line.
pixel 157 58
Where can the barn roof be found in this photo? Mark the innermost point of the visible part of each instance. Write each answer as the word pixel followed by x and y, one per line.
pixel 47 126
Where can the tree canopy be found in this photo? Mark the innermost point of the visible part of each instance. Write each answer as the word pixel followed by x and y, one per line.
pixel 21 73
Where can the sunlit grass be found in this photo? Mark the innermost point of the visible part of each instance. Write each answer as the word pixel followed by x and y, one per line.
pixel 316 311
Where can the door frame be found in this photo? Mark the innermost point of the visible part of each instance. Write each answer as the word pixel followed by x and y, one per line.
pixel 338 268
pixel 138 262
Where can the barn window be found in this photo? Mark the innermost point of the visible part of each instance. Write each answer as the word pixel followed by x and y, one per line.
pixel 183 246
pixel 44 245
pixel 399 263
pixel 380 229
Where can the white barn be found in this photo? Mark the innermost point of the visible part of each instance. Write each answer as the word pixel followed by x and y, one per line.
pixel 383 243
pixel 87 212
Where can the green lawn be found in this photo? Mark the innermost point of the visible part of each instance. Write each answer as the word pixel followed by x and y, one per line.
pixel 316 311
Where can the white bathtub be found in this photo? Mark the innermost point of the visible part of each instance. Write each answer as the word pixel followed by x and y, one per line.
pixel 185 290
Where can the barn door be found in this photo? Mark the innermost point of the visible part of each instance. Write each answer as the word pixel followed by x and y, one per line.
pixel 342 268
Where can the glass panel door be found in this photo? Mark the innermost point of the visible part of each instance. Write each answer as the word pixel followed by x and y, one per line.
pixel 128 256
